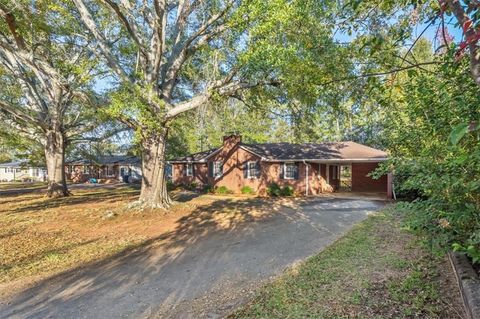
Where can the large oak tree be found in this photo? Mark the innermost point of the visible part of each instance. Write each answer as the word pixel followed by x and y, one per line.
pixel 169 57
pixel 45 69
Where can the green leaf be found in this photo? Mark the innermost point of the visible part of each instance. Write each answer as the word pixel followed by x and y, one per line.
pixel 458 133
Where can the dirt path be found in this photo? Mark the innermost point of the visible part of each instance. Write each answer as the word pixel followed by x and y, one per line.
pixel 202 269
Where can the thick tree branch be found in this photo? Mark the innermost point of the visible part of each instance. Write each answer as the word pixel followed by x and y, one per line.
pixel 12 26
pixel 225 87
pixel 182 50
pixel 16 113
pixel 89 22
pixel 130 27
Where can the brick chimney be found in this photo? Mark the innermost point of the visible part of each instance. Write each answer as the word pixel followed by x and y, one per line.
pixel 230 141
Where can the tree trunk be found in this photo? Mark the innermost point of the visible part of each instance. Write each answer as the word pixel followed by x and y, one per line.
pixel 55 159
pixel 154 185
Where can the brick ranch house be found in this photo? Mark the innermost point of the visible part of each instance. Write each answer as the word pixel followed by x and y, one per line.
pixel 115 167
pixel 309 168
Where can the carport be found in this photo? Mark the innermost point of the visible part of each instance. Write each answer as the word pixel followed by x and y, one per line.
pixel 348 175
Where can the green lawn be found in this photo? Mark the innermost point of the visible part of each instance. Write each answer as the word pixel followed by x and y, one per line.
pixel 375 271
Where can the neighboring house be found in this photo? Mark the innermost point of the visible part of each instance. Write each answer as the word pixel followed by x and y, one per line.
pixel 21 171
pixel 308 168
pixel 118 167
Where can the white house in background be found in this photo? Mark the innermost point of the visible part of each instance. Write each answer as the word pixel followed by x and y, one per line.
pixel 21 171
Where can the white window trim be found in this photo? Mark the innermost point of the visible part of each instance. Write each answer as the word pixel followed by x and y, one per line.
pixel 214 172
pixel 189 172
pixel 248 169
pixel 285 170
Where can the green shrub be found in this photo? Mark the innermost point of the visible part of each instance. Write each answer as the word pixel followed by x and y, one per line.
pixel 192 186
pixel 208 189
pixel 287 191
pixel 170 186
pixel 222 190
pixel 274 190
pixel 247 190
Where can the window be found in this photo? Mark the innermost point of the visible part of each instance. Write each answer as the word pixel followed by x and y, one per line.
pixel 84 169
pixel 18 170
pixel 290 170
pixel 169 171
pixel 189 170
pixel 252 170
pixel 217 169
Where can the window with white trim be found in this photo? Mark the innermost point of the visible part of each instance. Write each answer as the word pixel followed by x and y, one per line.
pixel 290 170
pixel 252 169
pixel 217 169
pixel 189 170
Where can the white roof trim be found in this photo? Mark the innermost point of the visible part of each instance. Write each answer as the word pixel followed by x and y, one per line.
pixel 250 151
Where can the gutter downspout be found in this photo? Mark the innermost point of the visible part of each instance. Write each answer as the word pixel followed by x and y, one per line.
pixel 306 178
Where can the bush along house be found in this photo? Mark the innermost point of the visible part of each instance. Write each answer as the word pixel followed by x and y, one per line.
pixel 308 168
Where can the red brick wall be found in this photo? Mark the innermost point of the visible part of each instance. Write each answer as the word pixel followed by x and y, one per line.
pixel 200 173
pixel 233 176
pixel 362 183
pixel 234 159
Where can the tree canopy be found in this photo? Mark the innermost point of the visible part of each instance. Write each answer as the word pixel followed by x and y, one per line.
pixel 181 73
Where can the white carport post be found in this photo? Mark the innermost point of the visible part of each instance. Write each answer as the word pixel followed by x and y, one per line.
pixel 306 178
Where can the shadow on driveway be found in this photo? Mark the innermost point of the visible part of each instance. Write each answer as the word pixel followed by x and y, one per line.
pixel 200 268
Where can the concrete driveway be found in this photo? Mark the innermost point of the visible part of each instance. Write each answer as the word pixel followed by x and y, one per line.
pixel 200 270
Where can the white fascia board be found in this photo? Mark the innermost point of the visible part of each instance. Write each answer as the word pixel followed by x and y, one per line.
pixel 252 152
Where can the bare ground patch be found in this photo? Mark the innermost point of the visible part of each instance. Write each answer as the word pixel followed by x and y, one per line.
pixel 41 237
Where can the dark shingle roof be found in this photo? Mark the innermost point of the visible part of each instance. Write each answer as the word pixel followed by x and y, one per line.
pixel 311 151
pixel 105 160
pixel 321 151
pixel 196 156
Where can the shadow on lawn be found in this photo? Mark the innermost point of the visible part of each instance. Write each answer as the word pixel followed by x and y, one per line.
pixel 100 195
pixel 210 245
